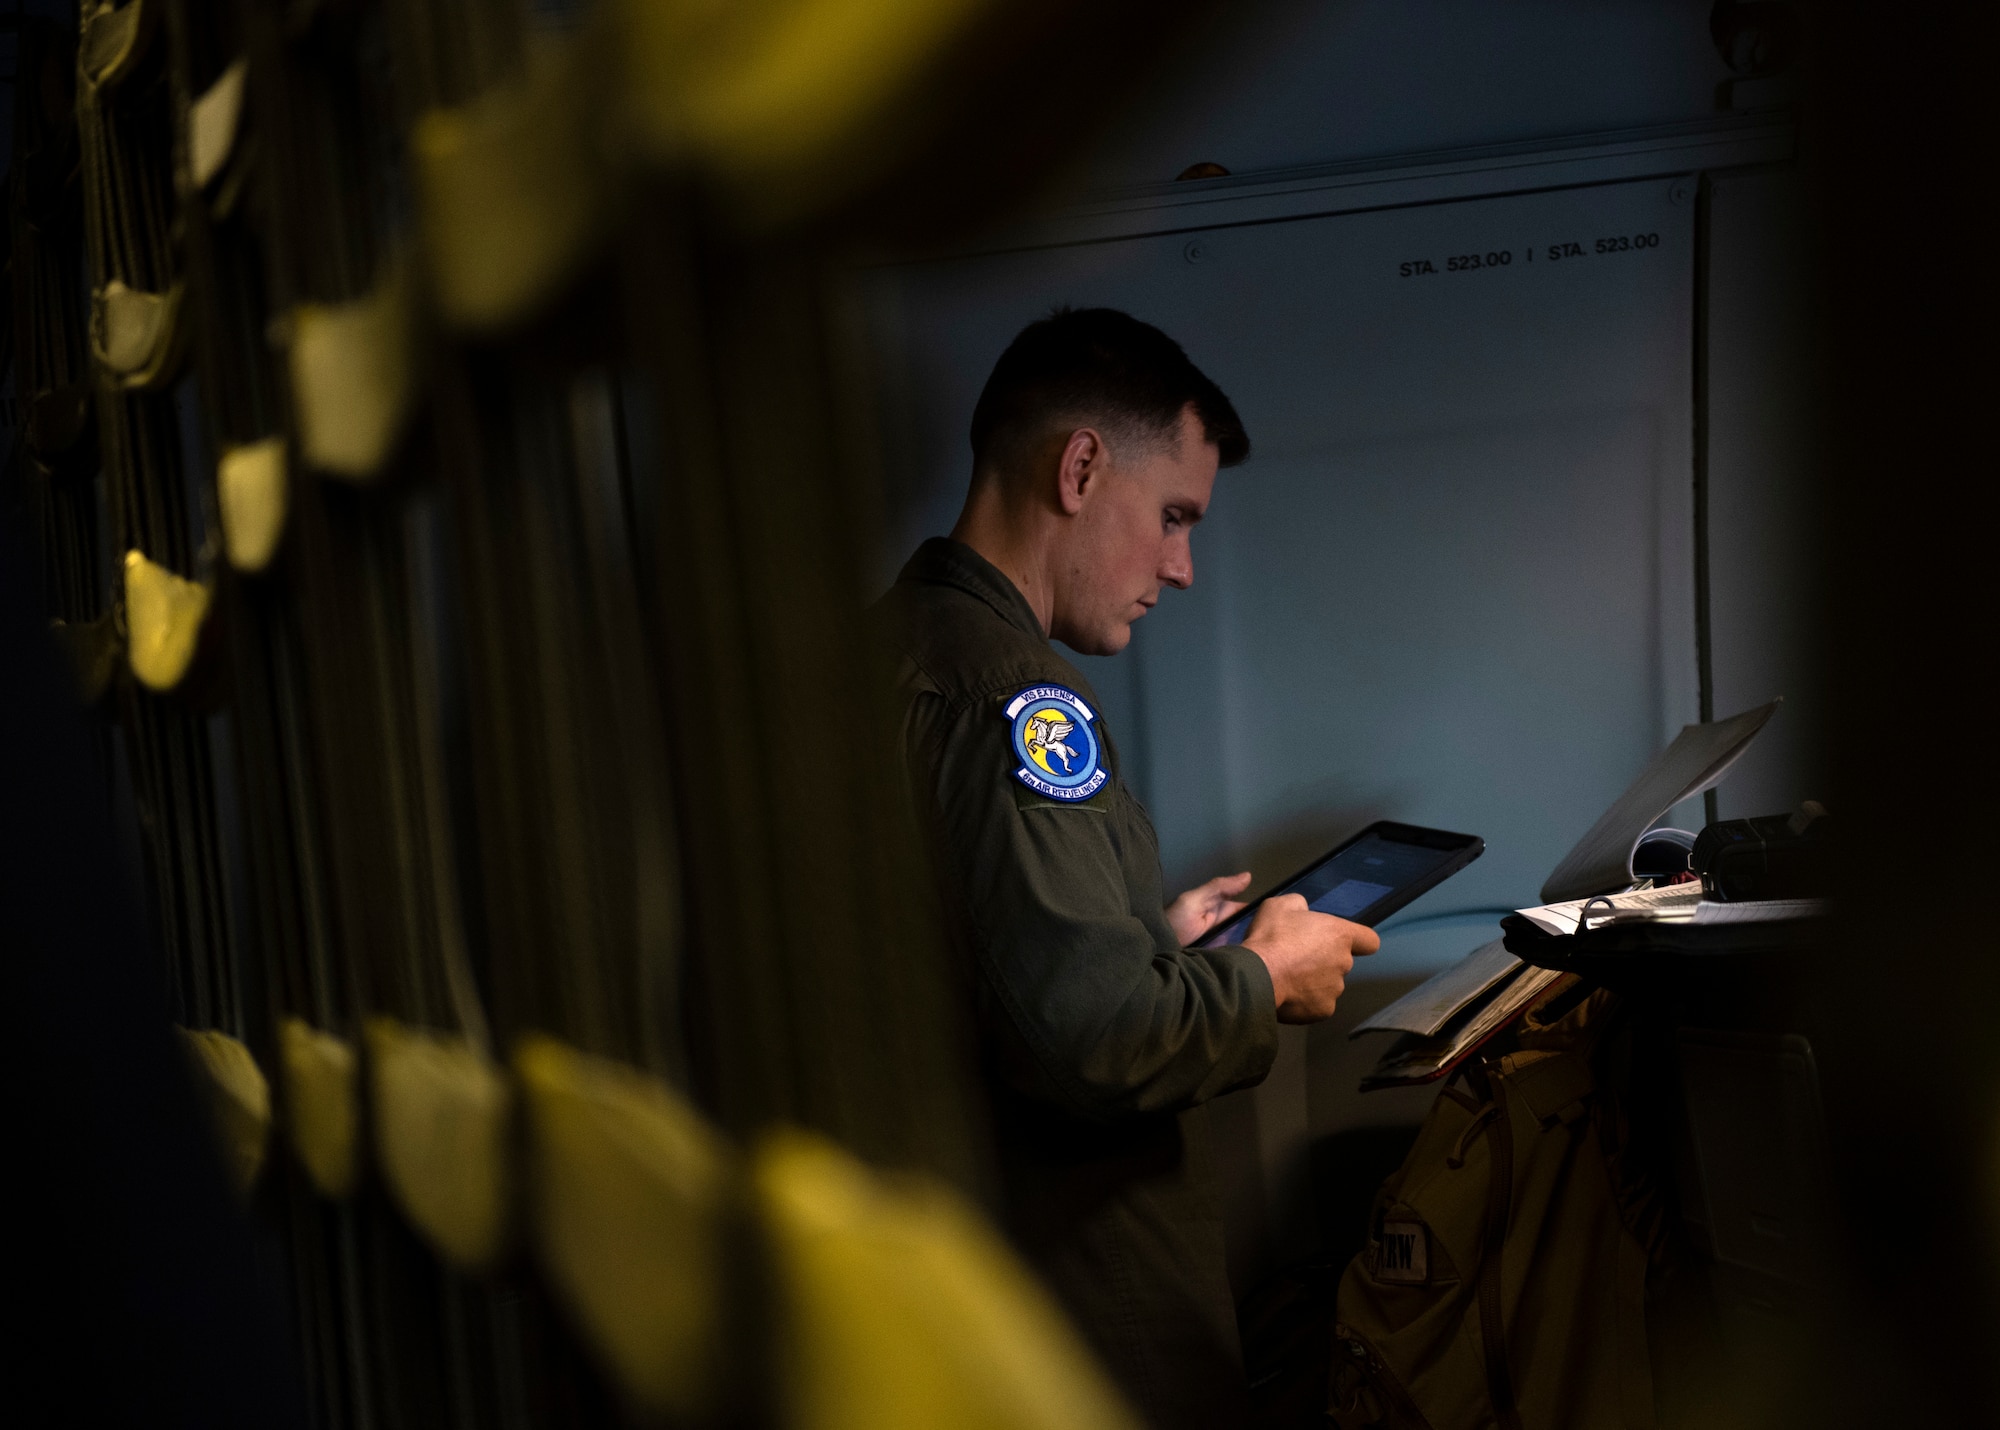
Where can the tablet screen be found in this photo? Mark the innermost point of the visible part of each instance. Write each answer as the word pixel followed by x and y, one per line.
pixel 1358 878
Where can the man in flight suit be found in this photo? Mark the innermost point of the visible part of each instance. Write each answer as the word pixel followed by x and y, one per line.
pixel 1095 448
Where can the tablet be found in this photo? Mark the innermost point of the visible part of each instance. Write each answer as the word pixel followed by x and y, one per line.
pixel 1377 872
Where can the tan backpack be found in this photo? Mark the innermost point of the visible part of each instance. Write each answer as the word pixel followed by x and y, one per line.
pixel 1504 1281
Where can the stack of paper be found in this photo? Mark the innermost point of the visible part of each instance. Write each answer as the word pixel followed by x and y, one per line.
pixel 1436 1001
pixel 1449 1016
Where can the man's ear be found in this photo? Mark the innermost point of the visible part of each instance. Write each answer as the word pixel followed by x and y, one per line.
pixel 1083 460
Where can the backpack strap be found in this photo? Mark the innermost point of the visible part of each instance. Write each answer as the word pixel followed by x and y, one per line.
pixel 1492 1329
pixel 1553 1085
pixel 1499 1205
pixel 1635 1368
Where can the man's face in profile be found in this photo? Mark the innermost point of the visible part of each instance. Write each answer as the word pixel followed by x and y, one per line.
pixel 1131 536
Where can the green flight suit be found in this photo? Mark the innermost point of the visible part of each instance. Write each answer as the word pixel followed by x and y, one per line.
pixel 1101 1037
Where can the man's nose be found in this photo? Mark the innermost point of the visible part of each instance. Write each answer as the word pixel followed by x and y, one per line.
pixel 1178 569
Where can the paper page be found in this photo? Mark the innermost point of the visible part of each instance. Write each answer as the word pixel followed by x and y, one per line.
pixel 1673 903
pixel 1432 1003
pixel 1420 1059
pixel 1558 919
pixel 1668 902
pixel 1699 756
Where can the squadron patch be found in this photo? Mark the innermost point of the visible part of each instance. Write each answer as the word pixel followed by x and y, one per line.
pixel 1055 744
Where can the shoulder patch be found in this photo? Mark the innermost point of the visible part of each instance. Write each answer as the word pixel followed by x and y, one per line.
pixel 1059 751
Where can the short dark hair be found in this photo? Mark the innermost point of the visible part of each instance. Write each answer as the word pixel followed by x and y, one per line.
pixel 1104 365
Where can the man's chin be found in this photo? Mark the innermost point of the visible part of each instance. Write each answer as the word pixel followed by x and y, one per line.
pixel 1108 641
pixel 1111 641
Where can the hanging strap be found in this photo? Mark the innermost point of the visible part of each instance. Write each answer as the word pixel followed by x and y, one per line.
pixel 1499 1204
pixel 1635 1366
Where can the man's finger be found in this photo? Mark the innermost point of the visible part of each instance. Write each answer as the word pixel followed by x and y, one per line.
pixel 1364 939
pixel 1222 886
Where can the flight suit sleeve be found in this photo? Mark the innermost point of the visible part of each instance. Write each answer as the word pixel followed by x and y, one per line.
pixel 1099 1010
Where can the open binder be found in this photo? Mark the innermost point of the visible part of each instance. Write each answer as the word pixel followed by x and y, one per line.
pixel 1447 1018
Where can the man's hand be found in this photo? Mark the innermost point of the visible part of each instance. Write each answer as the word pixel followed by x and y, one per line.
pixel 1309 955
pixel 1202 908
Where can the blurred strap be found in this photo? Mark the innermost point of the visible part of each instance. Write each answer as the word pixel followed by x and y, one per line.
pixel 512 190
pixel 354 378
pixel 322 1104
pixel 441 1138
pixel 163 616
pixel 136 335
pixel 901 1309
pixel 251 486
pixel 239 1099
pixel 627 1183
pixel 58 416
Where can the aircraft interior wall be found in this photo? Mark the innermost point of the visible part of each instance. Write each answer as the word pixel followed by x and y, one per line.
pixel 1457 582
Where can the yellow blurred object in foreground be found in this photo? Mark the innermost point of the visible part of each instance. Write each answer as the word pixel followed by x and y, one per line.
pixel 626 1185
pixel 781 98
pixel 441 1138
pixel 93 649
pixel 511 189
pixel 902 1310
pixel 212 122
pixel 240 1099
pixel 137 336
pixel 163 618
pixel 115 39
pixel 250 483
pixel 322 1104
pixel 354 376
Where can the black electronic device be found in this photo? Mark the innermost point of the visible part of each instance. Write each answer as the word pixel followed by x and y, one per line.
pixel 1663 855
pixel 1380 870
pixel 1774 856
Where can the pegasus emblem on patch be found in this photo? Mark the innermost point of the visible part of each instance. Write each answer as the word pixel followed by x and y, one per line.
pixel 1054 741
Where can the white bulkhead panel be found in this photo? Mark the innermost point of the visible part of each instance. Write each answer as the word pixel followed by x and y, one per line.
pixel 1453 585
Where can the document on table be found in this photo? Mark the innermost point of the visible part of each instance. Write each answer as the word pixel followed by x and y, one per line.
pixel 1670 903
pixel 1699 756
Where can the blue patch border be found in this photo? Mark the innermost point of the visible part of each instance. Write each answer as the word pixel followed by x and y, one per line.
pixel 1095 776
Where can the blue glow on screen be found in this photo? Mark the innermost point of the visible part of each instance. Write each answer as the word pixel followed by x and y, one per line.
pixel 1350 884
